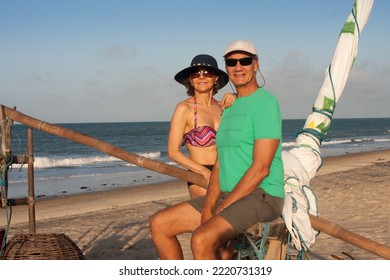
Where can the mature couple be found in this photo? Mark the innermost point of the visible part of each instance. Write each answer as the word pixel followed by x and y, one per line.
pixel 242 162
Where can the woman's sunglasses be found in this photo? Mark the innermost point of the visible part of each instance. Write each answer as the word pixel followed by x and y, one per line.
pixel 206 74
pixel 245 61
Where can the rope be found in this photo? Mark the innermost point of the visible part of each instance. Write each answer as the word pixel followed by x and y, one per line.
pixel 263 250
pixel 257 248
pixel 328 114
pixel 288 251
pixel 318 135
pixel 357 23
pixel 333 90
pixel 300 255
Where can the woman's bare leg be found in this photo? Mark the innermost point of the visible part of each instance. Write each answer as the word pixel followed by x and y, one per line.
pixel 196 191
pixel 166 224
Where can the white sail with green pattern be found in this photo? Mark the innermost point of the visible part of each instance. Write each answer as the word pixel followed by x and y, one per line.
pixel 303 161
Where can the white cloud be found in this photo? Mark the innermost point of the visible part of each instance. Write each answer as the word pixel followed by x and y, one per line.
pixel 119 52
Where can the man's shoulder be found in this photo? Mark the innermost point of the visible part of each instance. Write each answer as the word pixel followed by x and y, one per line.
pixel 262 93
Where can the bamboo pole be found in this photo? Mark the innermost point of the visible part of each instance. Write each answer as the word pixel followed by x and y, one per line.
pixel 317 223
pixel 106 148
pixel 350 237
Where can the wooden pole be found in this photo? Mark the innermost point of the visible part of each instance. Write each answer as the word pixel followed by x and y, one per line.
pixel 317 223
pixel 5 142
pixel 352 238
pixel 106 148
pixel 31 191
pixel 5 158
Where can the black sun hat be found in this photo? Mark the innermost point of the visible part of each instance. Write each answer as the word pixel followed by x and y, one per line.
pixel 204 61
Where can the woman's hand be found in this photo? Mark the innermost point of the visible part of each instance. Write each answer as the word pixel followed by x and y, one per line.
pixel 227 100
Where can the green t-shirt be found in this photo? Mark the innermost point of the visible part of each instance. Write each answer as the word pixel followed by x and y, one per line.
pixel 256 116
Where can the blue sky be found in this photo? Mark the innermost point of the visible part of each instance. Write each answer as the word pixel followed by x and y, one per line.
pixel 109 61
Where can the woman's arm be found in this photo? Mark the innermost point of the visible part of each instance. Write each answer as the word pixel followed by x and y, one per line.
pixel 227 100
pixel 179 124
pixel 212 194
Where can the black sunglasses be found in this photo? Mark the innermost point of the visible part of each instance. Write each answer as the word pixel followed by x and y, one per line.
pixel 206 74
pixel 245 61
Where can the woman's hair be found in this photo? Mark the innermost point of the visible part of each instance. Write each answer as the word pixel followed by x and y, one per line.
pixel 190 88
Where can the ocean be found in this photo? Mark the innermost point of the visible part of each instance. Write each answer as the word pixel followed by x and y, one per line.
pixel 64 167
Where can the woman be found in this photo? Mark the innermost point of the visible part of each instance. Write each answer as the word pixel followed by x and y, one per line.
pixel 195 120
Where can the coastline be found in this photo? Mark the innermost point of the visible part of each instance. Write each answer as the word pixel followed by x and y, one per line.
pixel 113 224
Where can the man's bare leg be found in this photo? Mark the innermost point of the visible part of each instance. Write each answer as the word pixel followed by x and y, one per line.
pixel 227 252
pixel 209 237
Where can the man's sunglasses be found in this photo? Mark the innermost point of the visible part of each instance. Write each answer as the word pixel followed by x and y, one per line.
pixel 206 74
pixel 245 61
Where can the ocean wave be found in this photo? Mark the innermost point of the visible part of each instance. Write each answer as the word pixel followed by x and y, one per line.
pixel 111 161
pixel 51 178
pixel 47 162
pixel 342 141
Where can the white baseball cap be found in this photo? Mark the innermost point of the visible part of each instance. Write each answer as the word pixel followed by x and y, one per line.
pixel 243 46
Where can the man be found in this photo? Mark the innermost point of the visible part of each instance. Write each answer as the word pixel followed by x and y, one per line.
pixel 246 184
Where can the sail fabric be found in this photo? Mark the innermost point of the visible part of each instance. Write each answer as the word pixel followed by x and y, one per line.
pixel 302 162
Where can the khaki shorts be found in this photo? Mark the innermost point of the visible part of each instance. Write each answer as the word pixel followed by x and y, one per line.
pixel 249 210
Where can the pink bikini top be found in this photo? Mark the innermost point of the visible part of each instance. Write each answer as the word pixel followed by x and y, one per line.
pixel 202 136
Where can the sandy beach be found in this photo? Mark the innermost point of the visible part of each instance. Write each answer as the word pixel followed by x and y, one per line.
pixel 353 191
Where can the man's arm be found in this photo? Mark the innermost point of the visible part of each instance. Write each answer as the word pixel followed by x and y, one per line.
pixel 263 154
pixel 212 194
